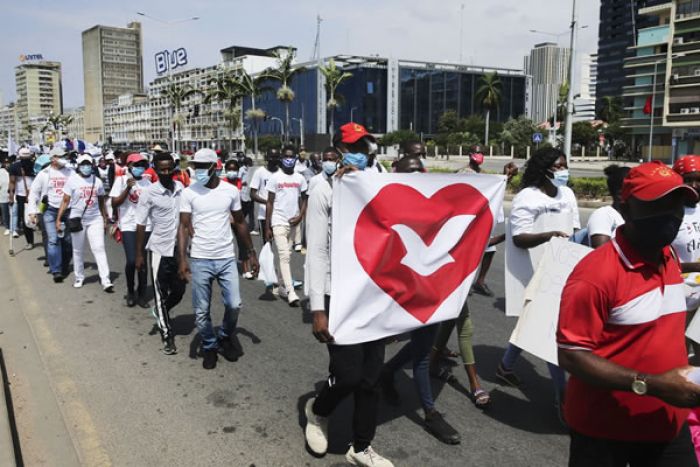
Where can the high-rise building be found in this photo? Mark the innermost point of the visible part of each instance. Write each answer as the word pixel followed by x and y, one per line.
pixel 76 128
pixel 112 66
pixel 548 68
pixel 665 82
pixel 585 102
pixel 8 123
pixel 619 22
pixel 39 93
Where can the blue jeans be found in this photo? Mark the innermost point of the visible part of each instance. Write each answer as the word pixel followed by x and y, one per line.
pixel 418 350
pixel 59 250
pixel 5 212
pixel 225 271
pixel 13 218
pixel 558 375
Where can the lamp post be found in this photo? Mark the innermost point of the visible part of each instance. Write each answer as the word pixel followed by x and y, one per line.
pixel 568 135
pixel 281 124
pixel 352 112
pixel 301 130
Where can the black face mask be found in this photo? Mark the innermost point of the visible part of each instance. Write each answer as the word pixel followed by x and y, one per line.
pixel 165 179
pixel 656 232
pixel 272 165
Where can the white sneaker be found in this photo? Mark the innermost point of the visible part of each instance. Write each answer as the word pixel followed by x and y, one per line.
pixel 297 247
pixel 254 232
pixel 316 431
pixel 367 458
pixel 248 275
pixel 78 283
pixel 7 232
pixel 108 287
pixel 15 235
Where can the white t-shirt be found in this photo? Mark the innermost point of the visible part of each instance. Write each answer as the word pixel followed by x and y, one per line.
pixel 259 182
pixel 604 221
pixel 687 242
pixel 4 186
pixel 127 210
pixel 81 191
pixel 532 202
pixel 49 182
pixel 211 214
pixel 287 190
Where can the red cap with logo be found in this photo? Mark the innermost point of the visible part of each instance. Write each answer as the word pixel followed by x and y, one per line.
pixel 135 157
pixel 353 132
pixel 652 181
pixel 687 164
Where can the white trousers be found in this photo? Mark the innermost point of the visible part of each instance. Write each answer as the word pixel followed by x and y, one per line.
pixel 284 236
pixel 95 234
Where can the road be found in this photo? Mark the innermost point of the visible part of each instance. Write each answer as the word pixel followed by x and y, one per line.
pixel 125 403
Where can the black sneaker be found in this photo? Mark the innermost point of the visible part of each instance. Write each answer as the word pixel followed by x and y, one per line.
pixel 130 300
pixel 169 347
pixel 436 425
pixel 58 277
pixel 508 376
pixel 209 361
pixel 143 301
pixel 482 289
pixel 228 350
pixel 389 392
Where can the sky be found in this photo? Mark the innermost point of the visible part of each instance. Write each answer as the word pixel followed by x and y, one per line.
pixel 496 33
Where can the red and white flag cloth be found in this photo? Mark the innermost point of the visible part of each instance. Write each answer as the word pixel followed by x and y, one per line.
pixel 405 249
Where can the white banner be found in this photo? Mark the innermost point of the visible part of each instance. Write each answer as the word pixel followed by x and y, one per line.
pixel 536 331
pixel 405 249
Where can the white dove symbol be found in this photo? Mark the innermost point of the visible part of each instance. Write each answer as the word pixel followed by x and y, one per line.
pixel 426 259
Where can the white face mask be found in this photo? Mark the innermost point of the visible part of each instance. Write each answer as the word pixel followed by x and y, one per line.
pixel 61 162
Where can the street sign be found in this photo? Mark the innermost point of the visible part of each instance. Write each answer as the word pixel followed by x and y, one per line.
pixel 537 138
pixel 167 60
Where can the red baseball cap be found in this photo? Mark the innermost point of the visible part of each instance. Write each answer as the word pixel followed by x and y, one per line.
pixel 135 157
pixel 687 164
pixel 652 181
pixel 353 132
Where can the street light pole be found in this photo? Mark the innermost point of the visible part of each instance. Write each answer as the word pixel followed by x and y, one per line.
pixel 301 130
pixel 352 112
pixel 282 132
pixel 651 114
pixel 570 99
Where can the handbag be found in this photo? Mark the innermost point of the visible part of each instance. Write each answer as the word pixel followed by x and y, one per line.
pixel 75 224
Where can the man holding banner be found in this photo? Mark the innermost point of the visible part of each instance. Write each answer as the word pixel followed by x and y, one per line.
pixel 405 251
pixel 621 335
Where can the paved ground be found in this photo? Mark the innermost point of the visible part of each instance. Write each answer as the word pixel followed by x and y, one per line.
pixel 124 403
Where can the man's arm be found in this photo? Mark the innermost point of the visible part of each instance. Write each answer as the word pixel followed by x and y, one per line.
pixel 183 238
pixel 119 198
pixel 61 210
pixel 256 197
pixel 35 190
pixel 531 240
pixel 11 189
pixel 318 261
pixel 671 387
pixel 242 233
pixel 268 216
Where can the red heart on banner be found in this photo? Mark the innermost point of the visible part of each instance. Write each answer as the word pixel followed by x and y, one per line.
pixel 380 248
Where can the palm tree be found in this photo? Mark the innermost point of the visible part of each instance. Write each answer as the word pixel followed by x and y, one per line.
pixel 226 89
pixel 176 95
pixel 333 76
pixel 611 109
pixel 29 129
pixel 562 100
pixel 56 124
pixel 489 93
pixel 252 86
pixel 284 73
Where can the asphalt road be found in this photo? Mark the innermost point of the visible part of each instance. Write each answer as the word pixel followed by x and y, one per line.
pixel 127 404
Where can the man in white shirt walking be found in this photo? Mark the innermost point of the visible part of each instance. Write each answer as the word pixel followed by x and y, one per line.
pixel 286 207
pixel 206 208
pixel 49 183
pixel 258 186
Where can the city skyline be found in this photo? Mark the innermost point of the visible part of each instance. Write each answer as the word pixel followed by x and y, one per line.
pixel 407 29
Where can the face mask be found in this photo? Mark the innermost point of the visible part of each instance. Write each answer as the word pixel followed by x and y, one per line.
pixel 85 170
pixel 61 163
pixel 202 176
pixel 232 174
pixel 137 172
pixel 356 159
pixel 272 165
pixel 330 167
pixel 288 163
pixel 373 147
pixel 165 179
pixel 219 172
pixel 561 178
pixel 654 233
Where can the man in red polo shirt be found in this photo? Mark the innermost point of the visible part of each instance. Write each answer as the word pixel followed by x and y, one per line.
pixel 621 335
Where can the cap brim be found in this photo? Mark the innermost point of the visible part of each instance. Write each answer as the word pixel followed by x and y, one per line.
pixel 357 137
pixel 688 193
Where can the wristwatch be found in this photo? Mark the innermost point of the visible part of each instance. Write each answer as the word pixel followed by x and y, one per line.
pixel 639 385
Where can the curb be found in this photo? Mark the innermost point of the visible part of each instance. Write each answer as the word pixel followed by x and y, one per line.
pixel 8 457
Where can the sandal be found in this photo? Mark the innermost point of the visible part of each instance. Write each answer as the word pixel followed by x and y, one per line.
pixel 480 398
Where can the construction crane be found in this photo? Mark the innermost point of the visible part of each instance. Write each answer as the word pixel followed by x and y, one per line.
pixel 316 56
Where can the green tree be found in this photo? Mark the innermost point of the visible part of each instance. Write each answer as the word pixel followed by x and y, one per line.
pixel 610 109
pixel 334 77
pixel 176 94
pixel 56 124
pixel 489 93
pixel 583 134
pixel 267 142
pixel 399 137
pixel 226 89
pixel 562 99
pixel 284 73
pixel 252 87
pixel 517 132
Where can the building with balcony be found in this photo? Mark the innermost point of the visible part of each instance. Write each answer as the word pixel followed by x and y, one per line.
pixel 76 128
pixel 585 98
pixel 39 94
pixel 548 66
pixel 664 99
pixel 8 123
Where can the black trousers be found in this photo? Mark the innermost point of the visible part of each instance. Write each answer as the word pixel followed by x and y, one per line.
pixel 594 452
pixel 354 369
pixel 168 290
pixel 21 206
pixel 248 214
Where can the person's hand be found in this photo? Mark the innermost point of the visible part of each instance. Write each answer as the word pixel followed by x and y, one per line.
pixel 346 169
pixel 130 183
pixel 140 262
pixel 320 328
pixel 58 226
pixel 674 388
pixel 510 170
pixel 558 234
pixel 268 234
pixel 254 264
pixel 183 271
pixel 295 220
pixel 32 218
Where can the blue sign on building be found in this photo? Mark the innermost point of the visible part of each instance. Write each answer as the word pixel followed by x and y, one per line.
pixel 166 60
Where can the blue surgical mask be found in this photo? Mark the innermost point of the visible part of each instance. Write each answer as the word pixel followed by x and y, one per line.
pixel 137 172
pixel 356 159
pixel 232 174
pixel 289 162
pixel 561 178
pixel 330 167
pixel 202 176
pixel 85 170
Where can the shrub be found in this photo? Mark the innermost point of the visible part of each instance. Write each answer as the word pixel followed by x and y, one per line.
pixel 583 187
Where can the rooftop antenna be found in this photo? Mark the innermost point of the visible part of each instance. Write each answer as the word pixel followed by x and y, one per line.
pixel 317 44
